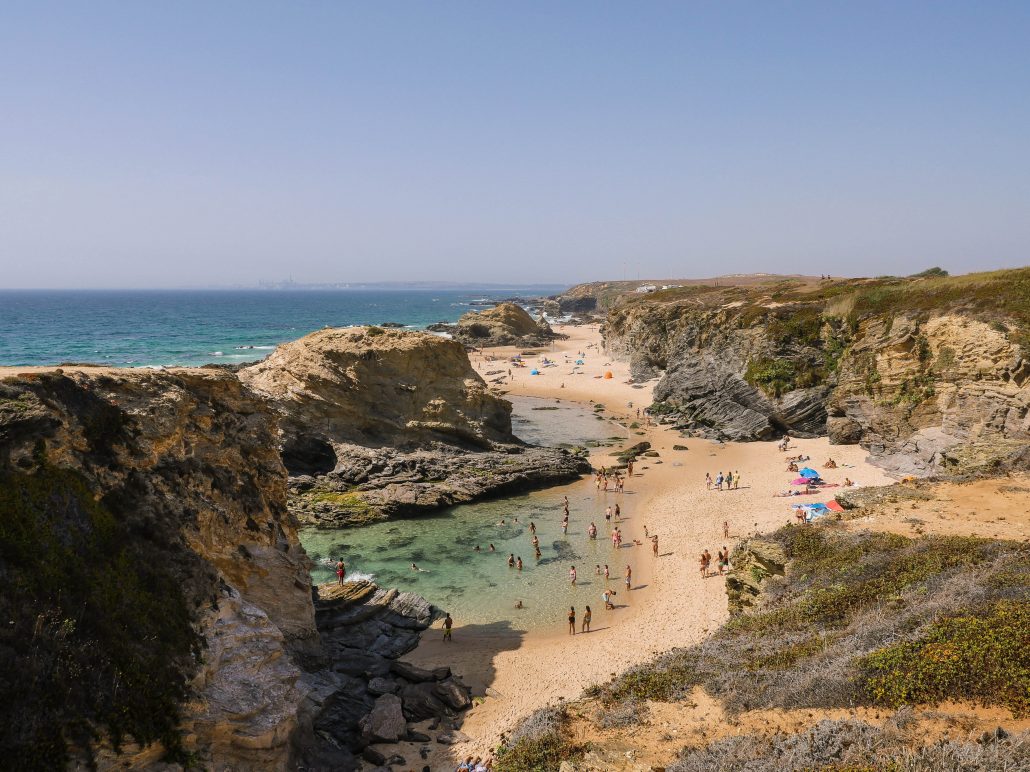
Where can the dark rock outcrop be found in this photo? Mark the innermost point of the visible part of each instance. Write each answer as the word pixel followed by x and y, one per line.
pixel 387 423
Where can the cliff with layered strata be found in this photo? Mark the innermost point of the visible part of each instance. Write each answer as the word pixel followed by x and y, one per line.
pixel 158 605
pixel 930 373
pixel 377 423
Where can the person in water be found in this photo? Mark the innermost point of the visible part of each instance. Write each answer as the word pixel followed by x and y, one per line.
pixel 592 531
pixel 511 560
pixel 532 527
pixel 447 624
pixel 572 575
pixel 586 621
pixel 518 604
pixel 341 570
pixel 492 548
pixel 518 563
pixel 478 548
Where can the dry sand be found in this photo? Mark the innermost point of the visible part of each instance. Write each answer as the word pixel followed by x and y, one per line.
pixel 670 605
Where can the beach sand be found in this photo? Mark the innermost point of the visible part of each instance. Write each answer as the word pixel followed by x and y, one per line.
pixel 670 604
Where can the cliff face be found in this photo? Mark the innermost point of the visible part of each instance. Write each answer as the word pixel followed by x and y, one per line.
pixel 379 423
pixel 928 373
pixel 152 572
pixel 375 388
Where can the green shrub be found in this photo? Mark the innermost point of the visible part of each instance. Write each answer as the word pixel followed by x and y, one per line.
pixel 97 635
pixel 983 657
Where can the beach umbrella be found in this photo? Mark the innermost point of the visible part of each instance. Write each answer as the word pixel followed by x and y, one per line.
pixel 834 506
pixel 809 472
pixel 534 372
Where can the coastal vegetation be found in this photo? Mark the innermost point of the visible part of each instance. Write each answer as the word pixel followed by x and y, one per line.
pixel 856 619
pixel 97 637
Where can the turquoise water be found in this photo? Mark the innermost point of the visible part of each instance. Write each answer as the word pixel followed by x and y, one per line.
pixel 175 327
pixel 479 587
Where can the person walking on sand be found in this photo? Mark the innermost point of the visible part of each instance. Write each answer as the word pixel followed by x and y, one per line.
pixel 618 513
pixel 708 480
pixel 572 576
pixel 729 480
pixel 629 577
pixel 718 481
pixel 341 571
pixel 708 562
pixel 586 621
pixel 447 624
pixel 572 620
pixel 736 480
pixel 704 566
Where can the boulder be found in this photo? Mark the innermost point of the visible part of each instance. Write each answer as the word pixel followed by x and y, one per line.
pixel 385 723
pixel 456 696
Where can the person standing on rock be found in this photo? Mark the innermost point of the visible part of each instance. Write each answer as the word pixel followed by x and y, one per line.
pixel 341 570
pixel 447 624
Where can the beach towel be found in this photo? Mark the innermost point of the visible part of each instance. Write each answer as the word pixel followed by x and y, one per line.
pixel 833 506
pixel 800 481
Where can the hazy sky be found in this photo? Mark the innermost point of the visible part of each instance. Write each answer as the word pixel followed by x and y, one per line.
pixel 193 143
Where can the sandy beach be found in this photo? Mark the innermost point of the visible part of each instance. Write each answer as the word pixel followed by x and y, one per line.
pixel 514 673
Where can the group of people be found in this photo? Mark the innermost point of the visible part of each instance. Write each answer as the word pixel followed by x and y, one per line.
pixel 731 481
pixel 477 764
pixel 722 563
pixel 601 479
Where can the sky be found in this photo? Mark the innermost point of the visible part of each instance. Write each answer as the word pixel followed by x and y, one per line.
pixel 227 143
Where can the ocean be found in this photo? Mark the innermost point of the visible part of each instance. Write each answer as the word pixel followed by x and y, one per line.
pixel 182 328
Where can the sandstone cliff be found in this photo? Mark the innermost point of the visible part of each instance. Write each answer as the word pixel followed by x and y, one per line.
pixel 157 593
pixel 506 324
pixel 158 605
pixel 929 373
pixel 378 423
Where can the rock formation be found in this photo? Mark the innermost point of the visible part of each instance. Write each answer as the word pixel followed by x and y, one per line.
pixel 378 423
pixel 157 602
pixel 930 374
pixel 507 324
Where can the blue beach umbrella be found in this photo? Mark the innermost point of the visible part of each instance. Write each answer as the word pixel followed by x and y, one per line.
pixel 809 472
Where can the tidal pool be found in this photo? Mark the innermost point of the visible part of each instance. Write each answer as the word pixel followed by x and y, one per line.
pixel 478 587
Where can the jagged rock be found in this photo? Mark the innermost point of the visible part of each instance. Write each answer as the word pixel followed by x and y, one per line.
pixel 385 723
pixel 753 562
pixel 453 694
pixel 372 756
pixel 416 674
pixel 507 324
pixel 393 424
pixel 421 702
pixel 452 737
pixel 380 685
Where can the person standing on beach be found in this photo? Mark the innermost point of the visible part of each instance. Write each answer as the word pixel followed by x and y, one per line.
pixel 447 624
pixel 572 575
pixel 607 573
pixel 586 621
pixel 736 479
pixel 654 545
pixel 729 480
pixel 618 512
pixel 704 566
pixel 572 620
pixel 629 577
pixel 708 480
pixel 629 469
pixel 708 561
pixel 718 481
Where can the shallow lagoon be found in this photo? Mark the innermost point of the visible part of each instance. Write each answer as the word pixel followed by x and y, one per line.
pixel 479 587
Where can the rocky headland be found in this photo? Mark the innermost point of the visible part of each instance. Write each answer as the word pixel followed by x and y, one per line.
pixel 929 373
pixel 158 604
pixel 506 324
pixel 378 423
